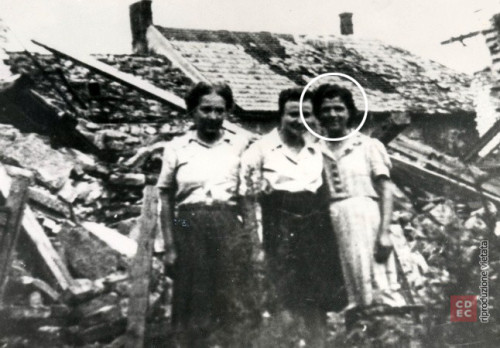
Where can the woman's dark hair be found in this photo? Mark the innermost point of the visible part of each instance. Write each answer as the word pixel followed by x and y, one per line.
pixel 329 91
pixel 201 89
pixel 292 94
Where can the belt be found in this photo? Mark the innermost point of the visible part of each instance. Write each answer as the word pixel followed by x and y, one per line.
pixel 216 206
pixel 344 197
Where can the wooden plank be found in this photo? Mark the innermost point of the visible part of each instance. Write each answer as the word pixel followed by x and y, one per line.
pixel 45 250
pixel 428 158
pixel 114 74
pixel 460 38
pixel 41 198
pixel 160 45
pixel 5 182
pixel 410 174
pixel 16 200
pixel 141 270
pixel 114 239
pixel 41 286
pixel 485 143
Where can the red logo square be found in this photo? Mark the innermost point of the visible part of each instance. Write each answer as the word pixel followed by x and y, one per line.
pixel 463 308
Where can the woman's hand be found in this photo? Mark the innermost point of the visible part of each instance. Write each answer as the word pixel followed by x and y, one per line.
pixel 170 256
pixel 383 247
pixel 169 261
pixel 257 254
pixel 383 243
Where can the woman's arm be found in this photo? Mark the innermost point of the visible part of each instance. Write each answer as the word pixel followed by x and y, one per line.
pixel 250 208
pixel 250 182
pixel 166 219
pixel 383 243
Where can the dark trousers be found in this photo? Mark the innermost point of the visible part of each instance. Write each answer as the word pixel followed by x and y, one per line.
pixel 213 273
pixel 304 264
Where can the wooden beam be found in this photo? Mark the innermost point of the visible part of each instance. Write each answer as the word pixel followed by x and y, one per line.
pixel 141 271
pixel 460 38
pixel 140 85
pixel 488 142
pixel 407 173
pixel 160 45
pixel 9 233
pixel 114 239
pixel 5 182
pixel 41 286
pixel 451 167
pixel 45 250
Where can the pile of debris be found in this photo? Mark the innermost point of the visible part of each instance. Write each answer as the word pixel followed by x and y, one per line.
pixel 64 280
pixel 69 276
pixel 76 252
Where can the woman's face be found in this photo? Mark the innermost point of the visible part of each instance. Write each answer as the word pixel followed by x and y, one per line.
pixel 291 122
pixel 333 116
pixel 209 114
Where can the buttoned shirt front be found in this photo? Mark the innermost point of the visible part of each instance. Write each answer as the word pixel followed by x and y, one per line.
pixel 199 172
pixel 270 165
pixel 354 164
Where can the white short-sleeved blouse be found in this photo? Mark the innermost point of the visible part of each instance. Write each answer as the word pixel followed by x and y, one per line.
pixel 269 165
pixel 200 172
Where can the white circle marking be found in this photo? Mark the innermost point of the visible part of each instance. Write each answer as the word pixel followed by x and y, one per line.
pixel 302 100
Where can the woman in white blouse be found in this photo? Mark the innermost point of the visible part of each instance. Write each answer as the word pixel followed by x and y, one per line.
pixel 282 172
pixel 203 236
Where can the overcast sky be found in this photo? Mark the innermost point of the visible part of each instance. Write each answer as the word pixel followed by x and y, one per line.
pixel 102 26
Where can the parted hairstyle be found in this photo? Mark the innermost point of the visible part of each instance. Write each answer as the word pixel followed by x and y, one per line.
pixel 292 94
pixel 201 89
pixel 330 91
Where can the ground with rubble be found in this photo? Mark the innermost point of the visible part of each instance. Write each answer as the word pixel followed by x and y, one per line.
pixel 69 276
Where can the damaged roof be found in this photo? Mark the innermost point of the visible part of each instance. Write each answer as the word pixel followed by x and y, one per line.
pixel 258 65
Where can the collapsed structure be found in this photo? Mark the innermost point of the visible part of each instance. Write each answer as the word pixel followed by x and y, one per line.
pixel 82 136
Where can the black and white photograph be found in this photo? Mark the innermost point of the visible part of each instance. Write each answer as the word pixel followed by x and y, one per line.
pixel 249 173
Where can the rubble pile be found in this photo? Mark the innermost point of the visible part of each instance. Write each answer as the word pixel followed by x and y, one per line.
pixel 70 188
pixel 97 98
pixel 115 119
pixel 68 280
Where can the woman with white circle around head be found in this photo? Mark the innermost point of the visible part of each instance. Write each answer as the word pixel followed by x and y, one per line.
pixel 358 175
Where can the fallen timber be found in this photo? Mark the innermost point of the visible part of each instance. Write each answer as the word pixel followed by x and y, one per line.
pixel 426 169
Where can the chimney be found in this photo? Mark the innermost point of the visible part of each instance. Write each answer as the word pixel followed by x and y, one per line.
pixel 346 27
pixel 141 17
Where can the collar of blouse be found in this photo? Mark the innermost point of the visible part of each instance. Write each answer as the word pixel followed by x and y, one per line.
pixel 225 138
pixel 335 150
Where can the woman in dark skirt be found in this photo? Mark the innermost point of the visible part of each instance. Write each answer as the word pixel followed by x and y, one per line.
pixel 282 172
pixel 204 239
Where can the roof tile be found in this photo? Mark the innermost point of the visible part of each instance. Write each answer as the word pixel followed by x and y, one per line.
pixel 259 65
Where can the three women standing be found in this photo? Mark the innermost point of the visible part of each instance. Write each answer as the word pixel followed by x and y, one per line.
pixel 306 189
